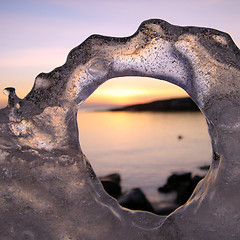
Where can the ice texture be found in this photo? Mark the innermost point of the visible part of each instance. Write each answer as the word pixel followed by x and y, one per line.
pixel 48 188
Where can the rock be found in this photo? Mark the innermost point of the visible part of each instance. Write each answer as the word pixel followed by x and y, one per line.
pixel 111 184
pixel 204 168
pixel 114 177
pixel 135 199
pixel 170 105
pixel 180 137
pixel 183 184
pixel 173 182
pixel 185 189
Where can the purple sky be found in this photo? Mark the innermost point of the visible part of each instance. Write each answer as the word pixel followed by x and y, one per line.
pixel 36 35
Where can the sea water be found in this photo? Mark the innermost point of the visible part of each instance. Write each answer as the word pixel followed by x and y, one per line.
pixel 145 147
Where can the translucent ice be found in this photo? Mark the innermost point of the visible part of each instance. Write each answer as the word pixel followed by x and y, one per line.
pixel 48 188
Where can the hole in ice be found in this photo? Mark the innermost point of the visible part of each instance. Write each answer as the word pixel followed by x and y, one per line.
pixel 145 148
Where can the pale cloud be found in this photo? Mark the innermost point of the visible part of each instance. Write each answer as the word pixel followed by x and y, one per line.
pixel 34 57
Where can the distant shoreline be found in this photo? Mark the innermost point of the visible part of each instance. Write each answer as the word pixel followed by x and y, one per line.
pixel 170 105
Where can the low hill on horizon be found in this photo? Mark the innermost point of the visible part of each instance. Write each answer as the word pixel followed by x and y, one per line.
pixel 170 105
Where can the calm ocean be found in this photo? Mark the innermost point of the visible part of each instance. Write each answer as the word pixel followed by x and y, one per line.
pixel 145 148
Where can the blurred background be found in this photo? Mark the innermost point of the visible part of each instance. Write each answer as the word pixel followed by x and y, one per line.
pixel 145 148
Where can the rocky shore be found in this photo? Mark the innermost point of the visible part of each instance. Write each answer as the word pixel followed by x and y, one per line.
pixel 171 105
pixel 180 185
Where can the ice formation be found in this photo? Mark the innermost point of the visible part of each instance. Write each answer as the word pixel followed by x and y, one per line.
pixel 48 188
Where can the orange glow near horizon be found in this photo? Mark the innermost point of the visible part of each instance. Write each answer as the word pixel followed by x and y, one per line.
pixel 132 90
pixel 125 97
pixel 125 91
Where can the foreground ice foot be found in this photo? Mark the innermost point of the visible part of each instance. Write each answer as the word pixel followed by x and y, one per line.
pixel 48 189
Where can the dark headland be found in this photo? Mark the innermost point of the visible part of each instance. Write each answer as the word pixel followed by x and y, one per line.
pixel 171 105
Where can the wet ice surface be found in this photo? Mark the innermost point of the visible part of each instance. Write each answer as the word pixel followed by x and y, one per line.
pixel 48 188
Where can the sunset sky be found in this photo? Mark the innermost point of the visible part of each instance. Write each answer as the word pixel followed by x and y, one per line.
pixel 36 36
